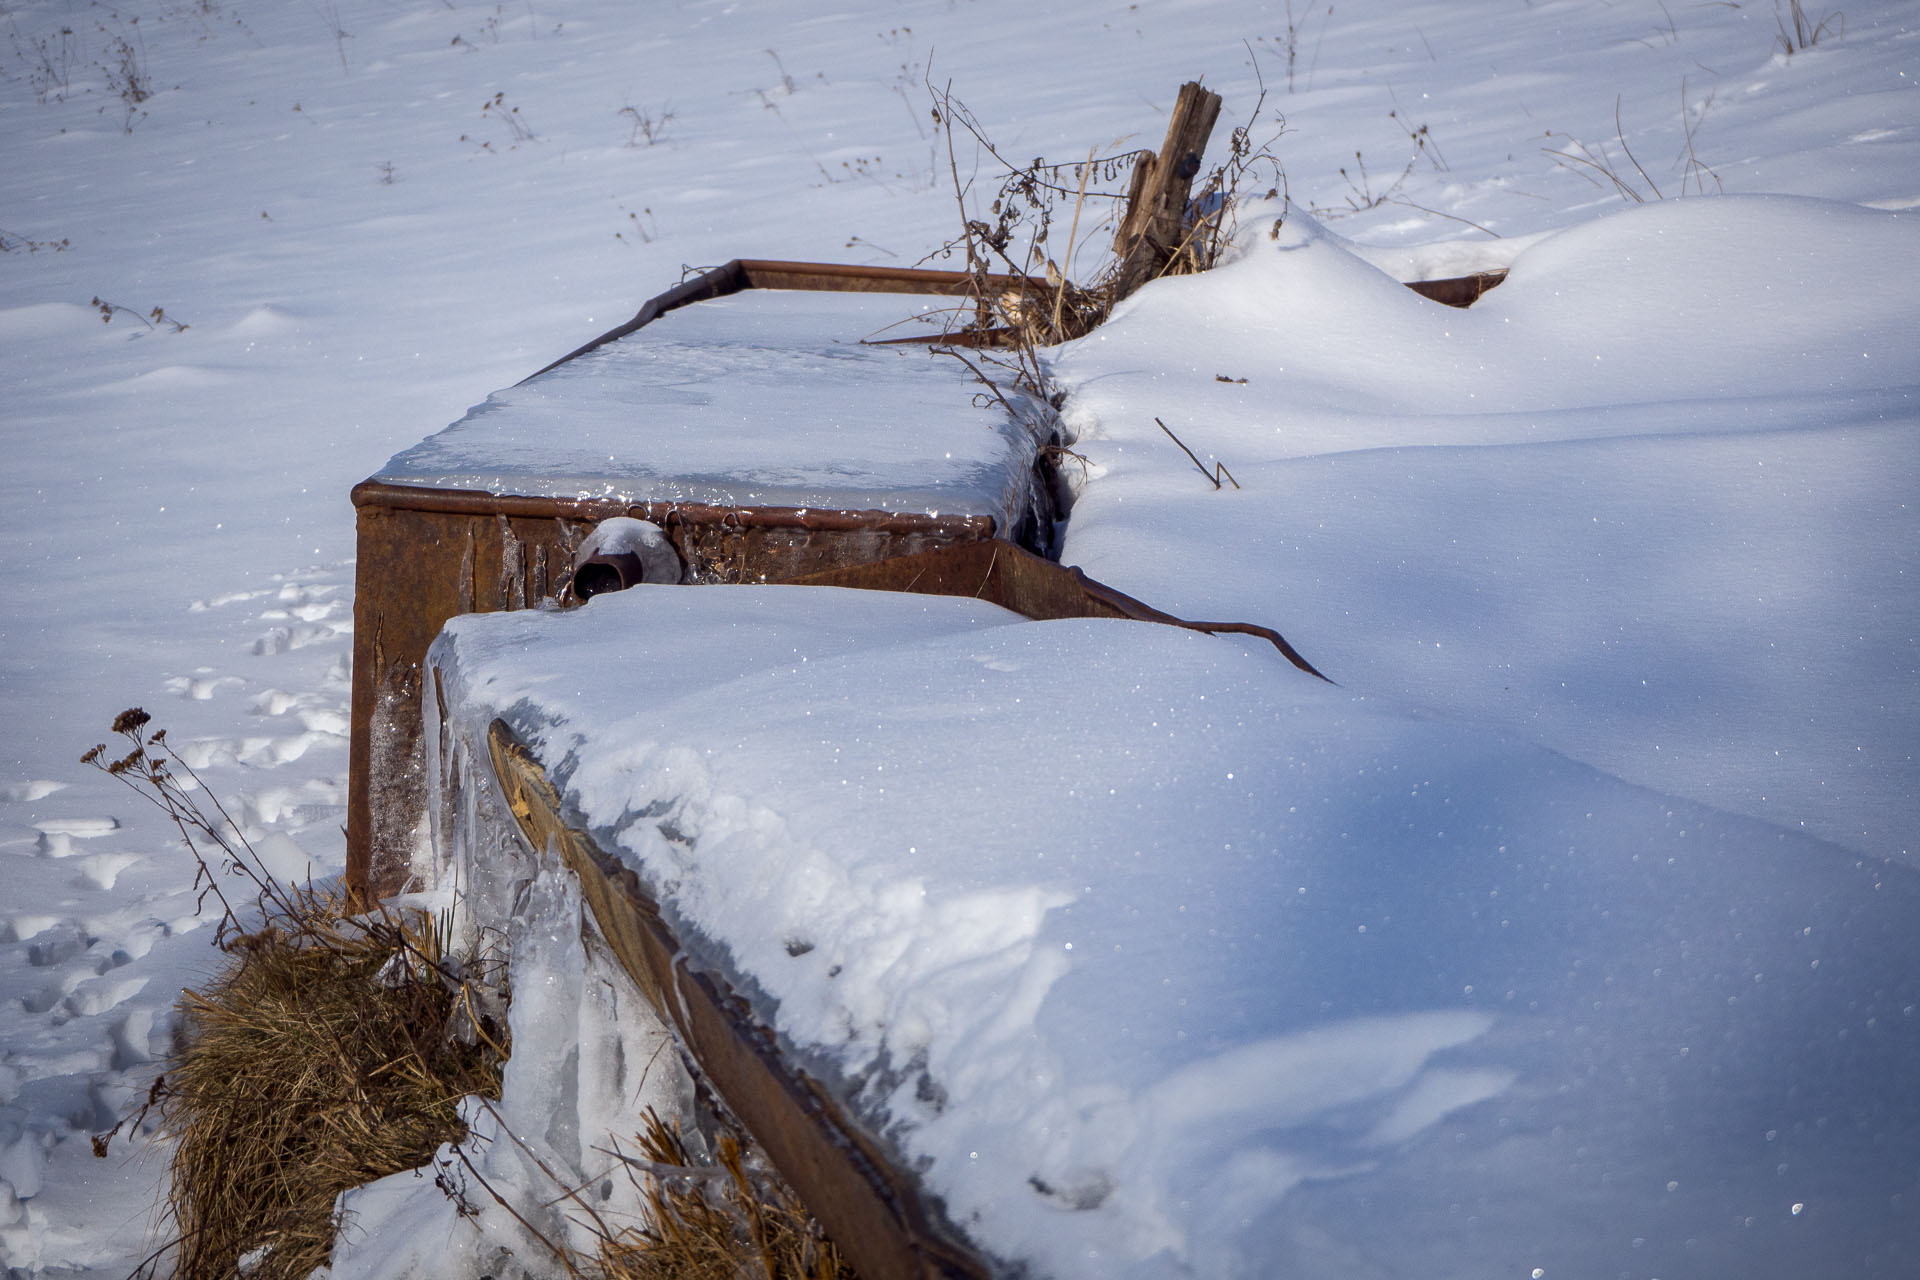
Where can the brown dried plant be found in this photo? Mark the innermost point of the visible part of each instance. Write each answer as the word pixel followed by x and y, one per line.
pixel 1024 293
pixel 725 1219
pixel 331 1049
pixel 1020 301
pixel 334 1048
pixel 1804 33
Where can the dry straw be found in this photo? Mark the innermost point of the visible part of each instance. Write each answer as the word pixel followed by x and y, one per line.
pixel 318 1059
pixel 333 1049
pixel 1007 328
pixel 730 1219
pixel 313 1064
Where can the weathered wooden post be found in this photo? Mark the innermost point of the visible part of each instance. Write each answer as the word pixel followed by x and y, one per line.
pixel 1153 228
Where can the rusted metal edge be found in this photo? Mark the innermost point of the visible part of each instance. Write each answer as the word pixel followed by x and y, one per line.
pixel 834 277
pixel 1034 587
pixel 769 273
pixel 994 337
pixel 1460 291
pixel 717 283
pixel 1143 612
pixel 873 1211
pixel 380 493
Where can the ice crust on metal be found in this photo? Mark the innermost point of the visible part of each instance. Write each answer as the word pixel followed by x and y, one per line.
pixel 761 399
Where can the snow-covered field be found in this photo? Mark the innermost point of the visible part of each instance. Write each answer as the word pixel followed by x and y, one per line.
pixel 1637 529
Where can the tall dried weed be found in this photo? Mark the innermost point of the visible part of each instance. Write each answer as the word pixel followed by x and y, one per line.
pixel 1014 236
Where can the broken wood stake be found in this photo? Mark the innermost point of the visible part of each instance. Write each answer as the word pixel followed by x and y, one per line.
pixel 1154 226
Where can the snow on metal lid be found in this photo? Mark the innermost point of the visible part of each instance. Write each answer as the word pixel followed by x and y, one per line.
pixel 762 399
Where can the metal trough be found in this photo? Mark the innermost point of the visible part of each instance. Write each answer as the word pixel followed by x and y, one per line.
pixel 757 432
pixel 437 538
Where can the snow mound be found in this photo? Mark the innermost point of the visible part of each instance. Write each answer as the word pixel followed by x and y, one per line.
pixel 1160 958
pixel 1647 503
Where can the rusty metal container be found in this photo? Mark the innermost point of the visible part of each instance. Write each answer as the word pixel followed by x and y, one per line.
pixel 754 427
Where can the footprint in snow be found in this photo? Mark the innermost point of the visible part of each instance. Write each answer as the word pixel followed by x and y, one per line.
pixel 95 996
pixel 102 870
pixel 297 636
pixel 201 685
pixel 58 942
pixel 314 800
pixel 56 835
pixel 221 601
pixel 26 927
pixel 295 595
pixel 47 998
pixel 29 791
pixel 133 1037
pixel 275 702
pixel 315 712
pixel 309 612
pixel 257 752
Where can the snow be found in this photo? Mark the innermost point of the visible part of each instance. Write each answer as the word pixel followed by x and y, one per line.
pixel 1530 514
pixel 676 413
pixel 1132 937
pixel 588 1059
pixel 361 249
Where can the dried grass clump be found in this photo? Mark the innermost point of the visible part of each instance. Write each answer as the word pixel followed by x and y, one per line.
pixel 715 1221
pixel 334 1049
pixel 323 1055
pixel 309 1066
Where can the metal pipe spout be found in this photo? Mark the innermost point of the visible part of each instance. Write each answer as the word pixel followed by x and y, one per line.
pixel 622 552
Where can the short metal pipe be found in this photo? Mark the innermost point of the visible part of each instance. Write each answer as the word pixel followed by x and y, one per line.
pixel 622 552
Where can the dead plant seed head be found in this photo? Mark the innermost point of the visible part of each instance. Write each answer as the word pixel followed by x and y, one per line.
pixel 13 241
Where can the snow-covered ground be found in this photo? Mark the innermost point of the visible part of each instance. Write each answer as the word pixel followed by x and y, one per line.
pixel 1689 466
pixel 1627 505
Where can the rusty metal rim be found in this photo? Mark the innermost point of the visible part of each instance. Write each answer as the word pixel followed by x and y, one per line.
pixel 768 273
pixel 467 502
pixel 836 277
pixel 995 571
pixel 1458 291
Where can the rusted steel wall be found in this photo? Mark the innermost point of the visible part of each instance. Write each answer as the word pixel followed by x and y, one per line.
pixel 416 569
pixel 427 555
